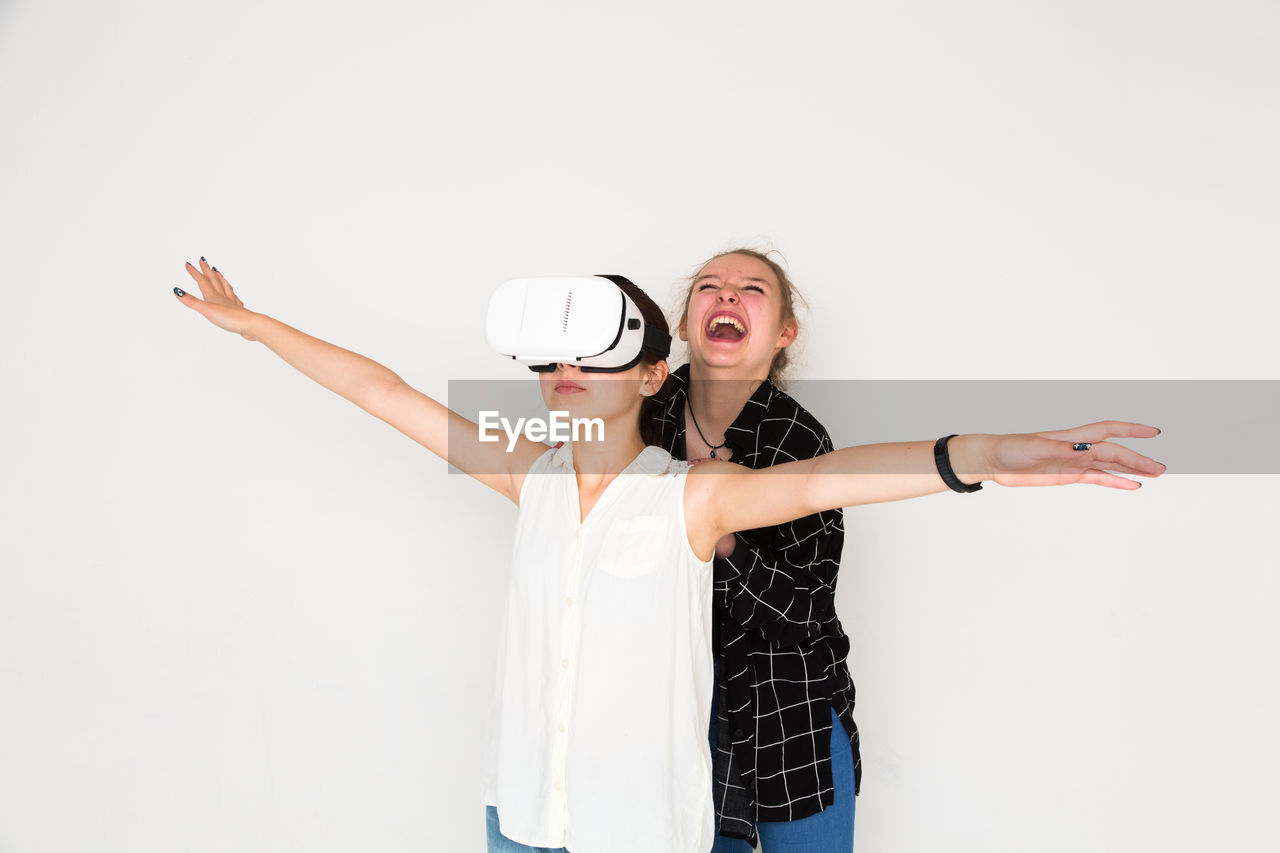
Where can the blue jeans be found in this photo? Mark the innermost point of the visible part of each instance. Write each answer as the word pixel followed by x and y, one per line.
pixel 499 843
pixel 828 831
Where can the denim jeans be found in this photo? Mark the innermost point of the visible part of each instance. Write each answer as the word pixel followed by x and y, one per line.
pixel 499 843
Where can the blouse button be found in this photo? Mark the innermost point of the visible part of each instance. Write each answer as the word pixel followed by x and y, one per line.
pixel 564 663
pixel 568 602
pixel 558 786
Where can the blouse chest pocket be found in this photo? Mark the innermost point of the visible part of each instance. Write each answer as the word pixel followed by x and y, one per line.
pixel 633 546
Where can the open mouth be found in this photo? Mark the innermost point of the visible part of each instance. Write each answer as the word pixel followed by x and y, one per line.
pixel 724 326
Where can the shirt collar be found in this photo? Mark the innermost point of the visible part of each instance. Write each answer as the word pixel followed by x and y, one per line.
pixel 744 425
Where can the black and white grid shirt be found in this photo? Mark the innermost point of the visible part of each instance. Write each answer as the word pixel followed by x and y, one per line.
pixel 780 646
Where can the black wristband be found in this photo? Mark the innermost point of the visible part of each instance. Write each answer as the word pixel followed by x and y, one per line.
pixel 943 459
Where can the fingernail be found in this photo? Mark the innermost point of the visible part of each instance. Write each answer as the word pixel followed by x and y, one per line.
pixel 1157 430
pixel 215 269
pixel 178 291
pixel 202 258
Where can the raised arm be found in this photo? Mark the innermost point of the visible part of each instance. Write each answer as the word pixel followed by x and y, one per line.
pixel 721 497
pixel 369 385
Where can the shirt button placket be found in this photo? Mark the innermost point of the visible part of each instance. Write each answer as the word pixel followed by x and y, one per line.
pixel 568 675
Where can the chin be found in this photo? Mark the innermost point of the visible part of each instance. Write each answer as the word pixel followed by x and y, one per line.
pixel 722 359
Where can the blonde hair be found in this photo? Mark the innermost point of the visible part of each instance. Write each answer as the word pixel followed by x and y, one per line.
pixel 790 295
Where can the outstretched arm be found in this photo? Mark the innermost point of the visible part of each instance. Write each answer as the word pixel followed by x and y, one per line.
pixel 369 385
pixel 721 497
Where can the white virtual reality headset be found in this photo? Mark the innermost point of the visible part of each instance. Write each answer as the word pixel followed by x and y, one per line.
pixel 587 321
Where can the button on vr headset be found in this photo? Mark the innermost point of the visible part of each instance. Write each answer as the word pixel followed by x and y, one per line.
pixel 587 321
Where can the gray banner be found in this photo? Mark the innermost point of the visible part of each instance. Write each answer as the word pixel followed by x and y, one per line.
pixel 1223 427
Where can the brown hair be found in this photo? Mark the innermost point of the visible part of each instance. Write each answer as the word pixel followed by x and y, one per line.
pixel 654 405
pixel 789 292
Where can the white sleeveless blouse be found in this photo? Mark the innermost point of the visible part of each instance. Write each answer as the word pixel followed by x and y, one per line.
pixel 598 738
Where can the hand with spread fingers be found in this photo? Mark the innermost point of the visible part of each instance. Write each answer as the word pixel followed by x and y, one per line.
pixel 1079 455
pixel 220 305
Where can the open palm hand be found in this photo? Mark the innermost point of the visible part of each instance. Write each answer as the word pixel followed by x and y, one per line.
pixel 220 305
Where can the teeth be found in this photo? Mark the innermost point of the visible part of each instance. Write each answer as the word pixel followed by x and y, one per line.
pixel 730 320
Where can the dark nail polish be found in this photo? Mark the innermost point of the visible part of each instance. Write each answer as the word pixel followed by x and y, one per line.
pixel 202 258
pixel 215 269
pixel 178 291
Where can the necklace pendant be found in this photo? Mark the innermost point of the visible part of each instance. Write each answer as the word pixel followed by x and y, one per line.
pixel 713 454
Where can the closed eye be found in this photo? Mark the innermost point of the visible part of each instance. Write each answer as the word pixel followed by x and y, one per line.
pixel 757 288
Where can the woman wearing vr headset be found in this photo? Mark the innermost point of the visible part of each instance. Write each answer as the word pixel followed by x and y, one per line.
pixel 599 742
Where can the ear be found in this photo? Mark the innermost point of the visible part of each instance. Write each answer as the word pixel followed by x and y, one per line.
pixel 790 331
pixel 654 377
pixel 682 331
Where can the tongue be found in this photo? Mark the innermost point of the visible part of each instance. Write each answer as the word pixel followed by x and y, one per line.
pixel 725 332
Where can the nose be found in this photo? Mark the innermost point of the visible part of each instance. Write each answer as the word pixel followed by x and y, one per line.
pixel 727 296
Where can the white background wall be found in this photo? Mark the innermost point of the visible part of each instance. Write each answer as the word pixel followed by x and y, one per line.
pixel 238 613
